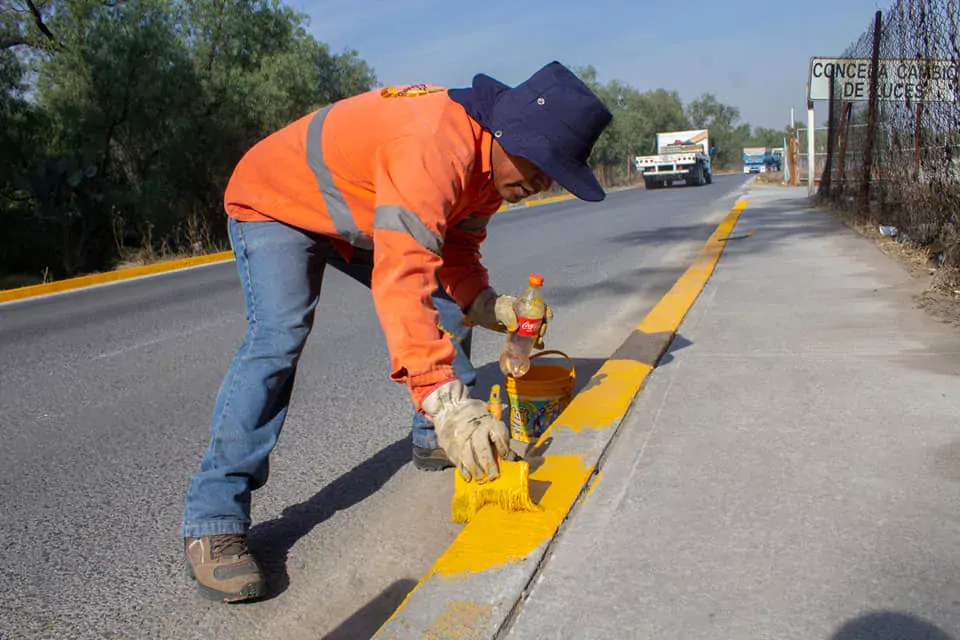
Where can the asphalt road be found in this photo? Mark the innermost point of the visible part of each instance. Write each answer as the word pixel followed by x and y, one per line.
pixel 105 397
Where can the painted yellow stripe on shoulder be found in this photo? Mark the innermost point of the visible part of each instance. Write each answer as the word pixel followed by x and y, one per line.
pixel 605 399
pixel 496 537
pixel 671 309
pixel 111 276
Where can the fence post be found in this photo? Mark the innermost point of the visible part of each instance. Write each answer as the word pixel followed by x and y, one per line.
pixel 831 139
pixel 864 199
pixel 918 138
pixel 844 125
pixel 794 162
pixel 811 145
pixel 811 149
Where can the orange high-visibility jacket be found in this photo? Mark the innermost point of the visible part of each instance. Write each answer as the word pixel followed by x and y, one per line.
pixel 403 172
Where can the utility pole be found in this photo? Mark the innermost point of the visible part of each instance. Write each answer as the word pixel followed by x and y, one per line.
pixel 811 147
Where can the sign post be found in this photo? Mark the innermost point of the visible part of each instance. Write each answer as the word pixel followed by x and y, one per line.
pixel 811 148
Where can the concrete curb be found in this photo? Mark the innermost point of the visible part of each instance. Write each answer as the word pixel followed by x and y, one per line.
pixel 21 293
pixel 481 580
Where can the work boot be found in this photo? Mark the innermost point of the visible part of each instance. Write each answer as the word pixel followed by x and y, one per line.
pixel 426 459
pixel 223 567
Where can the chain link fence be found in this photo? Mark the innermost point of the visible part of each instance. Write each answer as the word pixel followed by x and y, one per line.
pixel 893 159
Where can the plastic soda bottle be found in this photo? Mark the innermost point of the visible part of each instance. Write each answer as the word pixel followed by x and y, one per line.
pixel 515 359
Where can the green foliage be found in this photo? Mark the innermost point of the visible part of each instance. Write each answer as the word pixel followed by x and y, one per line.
pixel 727 136
pixel 637 117
pixel 764 137
pixel 135 116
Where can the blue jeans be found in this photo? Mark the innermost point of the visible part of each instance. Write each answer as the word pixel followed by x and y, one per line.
pixel 281 269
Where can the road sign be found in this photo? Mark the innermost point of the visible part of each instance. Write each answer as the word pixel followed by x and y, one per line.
pixel 898 79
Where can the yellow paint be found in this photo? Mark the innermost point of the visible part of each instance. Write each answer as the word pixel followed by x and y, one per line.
pixel 510 492
pixel 460 620
pixel 494 405
pixel 110 276
pixel 496 537
pixel 667 315
pixel 605 399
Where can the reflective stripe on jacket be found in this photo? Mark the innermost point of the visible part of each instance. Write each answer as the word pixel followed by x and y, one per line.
pixel 406 175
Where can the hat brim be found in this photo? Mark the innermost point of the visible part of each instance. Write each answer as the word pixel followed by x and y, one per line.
pixel 574 176
pixel 479 98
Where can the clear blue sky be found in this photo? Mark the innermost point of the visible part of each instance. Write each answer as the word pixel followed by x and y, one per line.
pixel 752 55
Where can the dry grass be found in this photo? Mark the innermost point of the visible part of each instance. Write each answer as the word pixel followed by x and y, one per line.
pixel 772 179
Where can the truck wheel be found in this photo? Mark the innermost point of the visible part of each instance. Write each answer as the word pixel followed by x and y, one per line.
pixel 696 178
pixel 649 183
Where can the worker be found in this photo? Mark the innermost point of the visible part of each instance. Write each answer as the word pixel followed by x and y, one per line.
pixel 395 187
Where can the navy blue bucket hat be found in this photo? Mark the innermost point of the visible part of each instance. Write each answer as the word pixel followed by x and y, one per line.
pixel 552 119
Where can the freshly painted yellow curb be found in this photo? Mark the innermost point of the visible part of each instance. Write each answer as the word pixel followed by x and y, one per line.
pixel 494 538
pixel 111 276
pixel 671 309
pixel 599 406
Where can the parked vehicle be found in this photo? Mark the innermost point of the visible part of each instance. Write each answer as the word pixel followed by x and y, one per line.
pixel 773 160
pixel 753 159
pixel 681 155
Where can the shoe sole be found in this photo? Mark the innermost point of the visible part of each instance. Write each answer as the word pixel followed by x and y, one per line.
pixel 430 464
pixel 249 591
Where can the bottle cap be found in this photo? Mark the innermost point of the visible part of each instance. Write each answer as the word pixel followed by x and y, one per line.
pixel 536 280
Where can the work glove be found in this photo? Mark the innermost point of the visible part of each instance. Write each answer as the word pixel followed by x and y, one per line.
pixel 467 432
pixel 499 313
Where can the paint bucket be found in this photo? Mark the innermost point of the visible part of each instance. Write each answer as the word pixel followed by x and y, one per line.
pixel 539 397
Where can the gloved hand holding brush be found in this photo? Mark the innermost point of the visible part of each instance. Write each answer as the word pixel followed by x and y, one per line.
pixel 467 431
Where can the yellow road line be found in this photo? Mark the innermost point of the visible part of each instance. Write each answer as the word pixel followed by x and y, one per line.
pixel 533 203
pixel 110 276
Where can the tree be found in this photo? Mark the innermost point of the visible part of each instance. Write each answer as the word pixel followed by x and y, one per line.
pixel 727 136
pixel 764 137
pixel 637 117
pixel 137 112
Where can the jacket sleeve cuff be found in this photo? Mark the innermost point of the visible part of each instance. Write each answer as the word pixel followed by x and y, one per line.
pixel 423 385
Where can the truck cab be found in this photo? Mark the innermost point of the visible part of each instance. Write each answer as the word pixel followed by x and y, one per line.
pixel 773 160
pixel 753 159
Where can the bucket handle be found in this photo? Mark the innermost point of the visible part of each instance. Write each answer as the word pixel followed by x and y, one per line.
pixel 556 352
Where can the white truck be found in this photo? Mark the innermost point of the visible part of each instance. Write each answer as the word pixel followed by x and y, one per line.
pixel 681 155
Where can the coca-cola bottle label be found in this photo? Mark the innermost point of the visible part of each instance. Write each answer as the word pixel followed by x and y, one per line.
pixel 528 326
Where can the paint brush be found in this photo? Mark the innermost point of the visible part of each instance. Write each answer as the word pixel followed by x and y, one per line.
pixel 510 491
